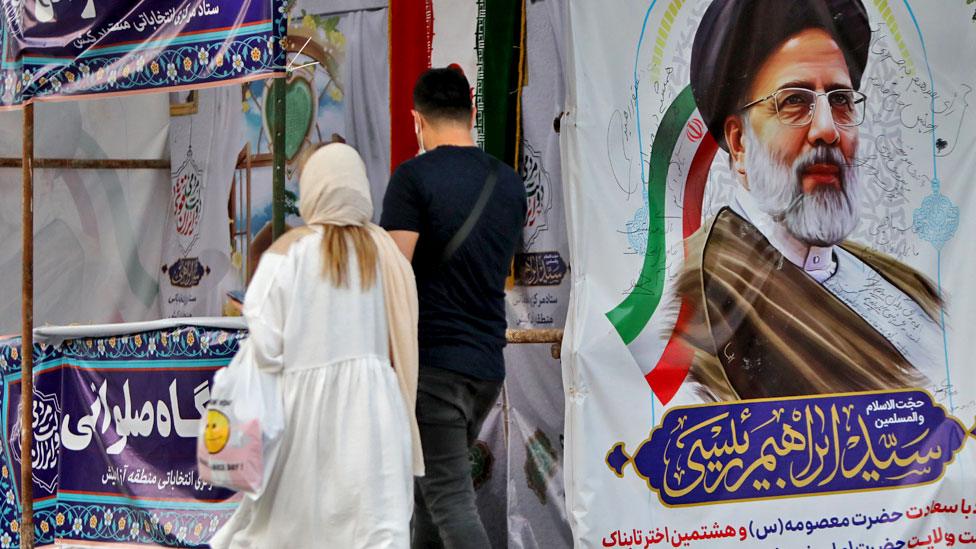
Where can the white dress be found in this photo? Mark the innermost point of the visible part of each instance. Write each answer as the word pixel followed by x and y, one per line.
pixel 343 477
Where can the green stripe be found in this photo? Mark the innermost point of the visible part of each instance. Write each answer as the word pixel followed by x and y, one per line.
pixel 147 364
pixel 178 364
pixel 144 46
pixel 146 504
pixel 38 505
pixel 499 77
pixel 178 41
pixel 45 366
pixel 630 317
pixel 52 61
pixel 143 282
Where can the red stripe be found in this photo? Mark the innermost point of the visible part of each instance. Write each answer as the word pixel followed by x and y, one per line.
pixel 96 369
pixel 671 370
pixel 143 498
pixel 411 39
pixel 695 185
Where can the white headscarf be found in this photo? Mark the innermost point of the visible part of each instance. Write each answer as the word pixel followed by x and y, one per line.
pixel 334 189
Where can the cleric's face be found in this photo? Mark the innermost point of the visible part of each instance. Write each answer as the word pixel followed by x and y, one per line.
pixel 803 175
pixel 812 60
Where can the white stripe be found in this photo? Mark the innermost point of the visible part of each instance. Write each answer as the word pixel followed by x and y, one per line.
pixel 455 27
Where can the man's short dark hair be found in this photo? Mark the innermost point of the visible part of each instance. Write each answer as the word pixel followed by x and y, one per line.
pixel 443 94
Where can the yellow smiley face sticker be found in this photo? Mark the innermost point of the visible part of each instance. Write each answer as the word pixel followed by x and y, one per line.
pixel 217 432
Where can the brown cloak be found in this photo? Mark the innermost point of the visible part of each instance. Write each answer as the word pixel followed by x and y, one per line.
pixel 764 328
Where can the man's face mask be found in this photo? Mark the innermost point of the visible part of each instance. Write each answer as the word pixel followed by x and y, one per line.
pixel 419 131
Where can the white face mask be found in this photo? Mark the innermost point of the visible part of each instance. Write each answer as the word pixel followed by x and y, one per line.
pixel 420 138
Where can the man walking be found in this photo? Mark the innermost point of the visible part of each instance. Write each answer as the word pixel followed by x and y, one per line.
pixel 457 214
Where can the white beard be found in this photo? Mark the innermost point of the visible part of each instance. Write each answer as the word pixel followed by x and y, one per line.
pixel 823 217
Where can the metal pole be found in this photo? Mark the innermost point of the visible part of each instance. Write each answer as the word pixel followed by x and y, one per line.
pixel 247 211
pixel 89 163
pixel 27 338
pixel 278 149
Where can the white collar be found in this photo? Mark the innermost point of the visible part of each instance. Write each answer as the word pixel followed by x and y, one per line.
pixel 817 261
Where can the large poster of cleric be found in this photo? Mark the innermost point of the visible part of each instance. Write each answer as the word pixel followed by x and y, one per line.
pixel 771 324
pixel 114 456
pixel 59 48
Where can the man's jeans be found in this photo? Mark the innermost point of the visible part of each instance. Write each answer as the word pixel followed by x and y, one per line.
pixel 450 410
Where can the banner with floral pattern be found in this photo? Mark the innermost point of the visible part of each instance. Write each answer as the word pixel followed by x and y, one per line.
pixel 58 49
pixel 115 426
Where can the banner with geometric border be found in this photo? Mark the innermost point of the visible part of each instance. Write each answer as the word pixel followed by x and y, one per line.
pixel 57 49
pixel 115 426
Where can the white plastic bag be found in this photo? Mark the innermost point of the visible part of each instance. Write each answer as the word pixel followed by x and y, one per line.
pixel 241 432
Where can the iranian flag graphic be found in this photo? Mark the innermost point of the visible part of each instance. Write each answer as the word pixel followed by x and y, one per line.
pixel 681 156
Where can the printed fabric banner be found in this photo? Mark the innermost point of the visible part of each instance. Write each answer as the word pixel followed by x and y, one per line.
pixel 197 263
pixel 770 325
pixel 336 89
pixel 480 38
pixel 116 419
pixel 55 49
pixel 539 298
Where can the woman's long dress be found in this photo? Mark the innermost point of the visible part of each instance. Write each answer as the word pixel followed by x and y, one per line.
pixel 343 477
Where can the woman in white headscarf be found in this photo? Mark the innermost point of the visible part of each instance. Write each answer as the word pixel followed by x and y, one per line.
pixel 330 305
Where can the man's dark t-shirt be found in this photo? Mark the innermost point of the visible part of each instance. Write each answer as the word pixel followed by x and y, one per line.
pixel 462 303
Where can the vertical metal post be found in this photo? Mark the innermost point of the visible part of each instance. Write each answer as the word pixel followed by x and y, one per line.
pixel 247 210
pixel 278 148
pixel 27 337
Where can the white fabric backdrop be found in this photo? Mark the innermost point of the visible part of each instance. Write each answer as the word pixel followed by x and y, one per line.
pixel 455 41
pixel 97 233
pixel 367 113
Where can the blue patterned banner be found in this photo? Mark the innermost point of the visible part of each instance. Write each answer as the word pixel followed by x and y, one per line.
pixel 116 422
pixel 61 49
pixel 797 446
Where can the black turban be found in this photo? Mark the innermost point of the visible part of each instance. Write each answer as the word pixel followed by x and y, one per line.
pixel 735 37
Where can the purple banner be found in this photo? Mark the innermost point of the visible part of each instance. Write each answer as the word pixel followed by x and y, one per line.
pixel 64 48
pixel 115 426
pixel 796 446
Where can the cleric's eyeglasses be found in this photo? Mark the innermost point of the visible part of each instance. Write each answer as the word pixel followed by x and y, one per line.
pixel 796 106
